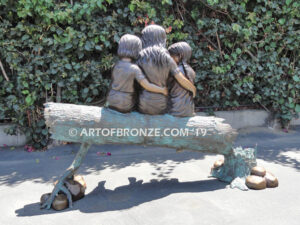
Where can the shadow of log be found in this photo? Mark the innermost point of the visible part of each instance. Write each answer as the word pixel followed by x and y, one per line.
pixel 18 166
pixel 127 196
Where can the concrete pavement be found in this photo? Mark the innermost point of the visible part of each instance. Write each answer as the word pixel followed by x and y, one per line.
pixel 145 185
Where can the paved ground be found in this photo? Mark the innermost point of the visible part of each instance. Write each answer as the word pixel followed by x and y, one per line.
pixel 138 185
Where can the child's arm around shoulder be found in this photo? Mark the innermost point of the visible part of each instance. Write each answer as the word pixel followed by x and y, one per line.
pixel 181 79
pixel 142 80
pixel 184 82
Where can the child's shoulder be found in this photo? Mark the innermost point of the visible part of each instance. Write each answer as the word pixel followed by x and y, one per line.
pixel 181 68
pixel 134 68
pixel 188 66
pixel 129 65
pixel 190 71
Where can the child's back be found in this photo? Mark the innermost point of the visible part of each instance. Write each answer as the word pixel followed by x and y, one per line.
pixel 121 96
pixel 181 100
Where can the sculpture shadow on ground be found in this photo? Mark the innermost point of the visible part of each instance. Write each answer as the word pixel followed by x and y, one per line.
pixel 127 196
pixel 18 166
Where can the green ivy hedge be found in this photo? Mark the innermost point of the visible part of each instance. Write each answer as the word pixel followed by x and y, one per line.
pixel 245 52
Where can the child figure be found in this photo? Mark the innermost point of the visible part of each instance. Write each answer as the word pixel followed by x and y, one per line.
pixel 121 96
pixel 181 100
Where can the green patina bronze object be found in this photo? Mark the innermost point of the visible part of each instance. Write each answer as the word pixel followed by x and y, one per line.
pixel 78 123
pixel 155 71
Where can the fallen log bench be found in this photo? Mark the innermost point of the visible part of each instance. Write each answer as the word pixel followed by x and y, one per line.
pixel 97 125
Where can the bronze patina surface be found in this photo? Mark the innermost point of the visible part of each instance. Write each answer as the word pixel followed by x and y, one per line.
pixel 258 171
pixel 256 182
pixel 271 180
pixel 121 96
pixel 181 100
pixel 152 71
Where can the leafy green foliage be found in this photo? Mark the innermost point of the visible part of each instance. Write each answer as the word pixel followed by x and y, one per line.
pixel 244 52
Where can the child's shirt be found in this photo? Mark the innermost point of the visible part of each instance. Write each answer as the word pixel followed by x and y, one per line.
pixel 121 95
pixel 158 66
pixel 181 100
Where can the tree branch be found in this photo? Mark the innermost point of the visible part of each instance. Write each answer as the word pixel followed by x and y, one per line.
pixel 3 71
pixel 219 45
pixel 206 38
pixel 251 55
pixel 219 11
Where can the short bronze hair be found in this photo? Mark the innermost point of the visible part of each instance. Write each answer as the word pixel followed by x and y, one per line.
pixel 129 46
pixel 181 49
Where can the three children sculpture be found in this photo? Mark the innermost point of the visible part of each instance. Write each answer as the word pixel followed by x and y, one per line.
pixel 165 78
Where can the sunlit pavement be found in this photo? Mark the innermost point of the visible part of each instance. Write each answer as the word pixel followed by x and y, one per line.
pixel 144 185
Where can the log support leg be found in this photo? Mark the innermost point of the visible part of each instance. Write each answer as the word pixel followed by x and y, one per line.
pixel 69 173
pixel 237 166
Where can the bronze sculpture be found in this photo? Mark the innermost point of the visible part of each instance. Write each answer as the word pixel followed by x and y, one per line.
pixel 121 96
pixel 181 100
pixel 157 66
pixel 62 118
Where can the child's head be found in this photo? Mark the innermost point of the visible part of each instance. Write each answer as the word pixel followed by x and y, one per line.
pixel 129 46
pixel 154 35
pixel 180 51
